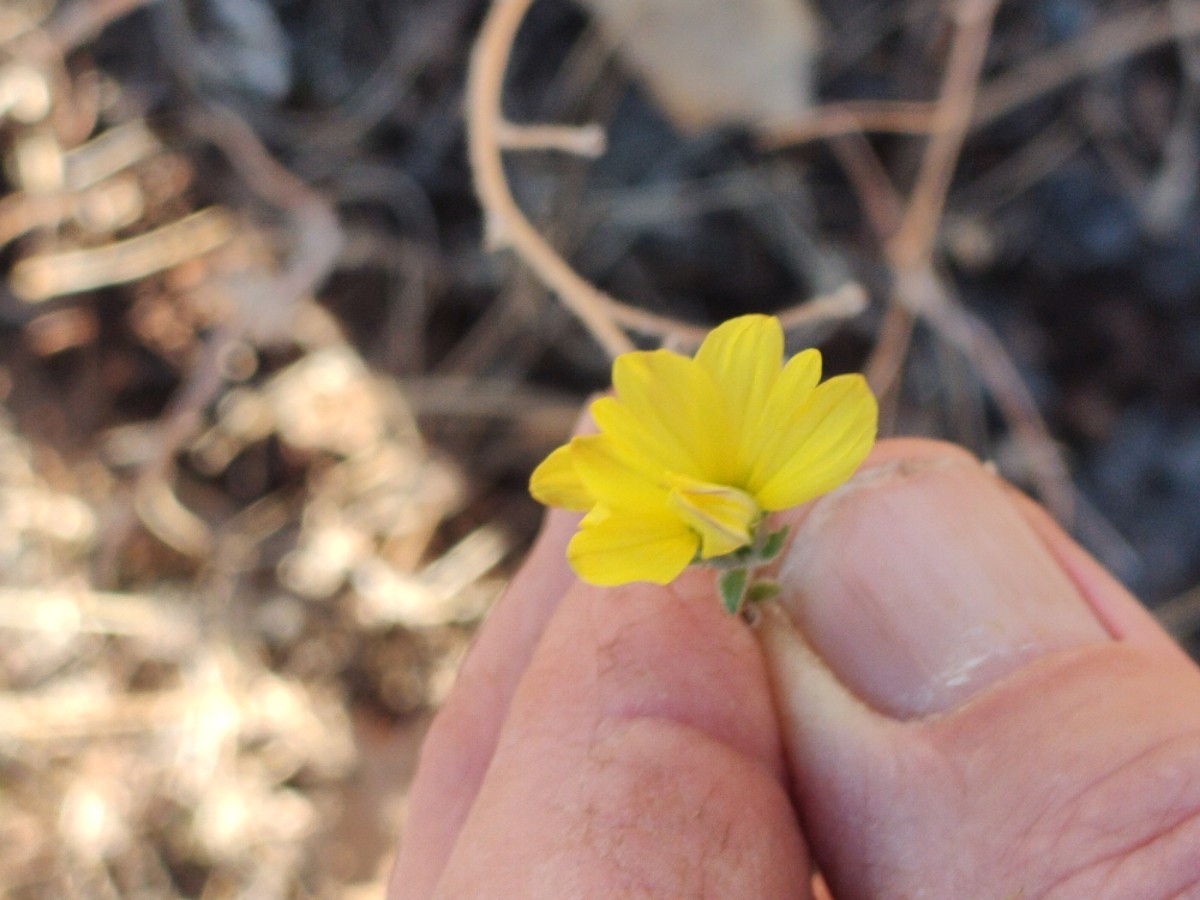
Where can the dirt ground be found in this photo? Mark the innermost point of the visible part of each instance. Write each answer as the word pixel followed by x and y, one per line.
pixel 269 401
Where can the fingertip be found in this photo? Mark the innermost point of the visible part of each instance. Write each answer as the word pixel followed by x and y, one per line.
pixel 967 698
pixel 918 583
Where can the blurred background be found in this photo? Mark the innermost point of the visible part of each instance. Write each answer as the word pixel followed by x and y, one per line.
pixel 269 405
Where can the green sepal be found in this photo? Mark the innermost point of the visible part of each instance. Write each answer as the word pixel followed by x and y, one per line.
pixel 772 546
pixel 732 585
pixel 762 590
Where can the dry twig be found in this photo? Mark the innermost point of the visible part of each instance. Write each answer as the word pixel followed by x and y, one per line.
pixel 912 244
pixel 605 317
pixel 909 238
pixel 918 287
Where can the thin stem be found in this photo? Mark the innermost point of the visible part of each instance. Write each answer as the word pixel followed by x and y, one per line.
pixel 912 244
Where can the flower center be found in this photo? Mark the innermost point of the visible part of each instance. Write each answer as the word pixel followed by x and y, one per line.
pixel 723 516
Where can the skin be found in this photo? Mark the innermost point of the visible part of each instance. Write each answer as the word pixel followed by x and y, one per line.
pixel 951 699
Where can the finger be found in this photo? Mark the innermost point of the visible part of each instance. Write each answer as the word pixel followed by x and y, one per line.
pixel 921 581
pixel 459 745
pixel 960 720
pixel 640 756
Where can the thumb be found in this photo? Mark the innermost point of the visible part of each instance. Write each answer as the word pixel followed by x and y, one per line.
pixel 962 718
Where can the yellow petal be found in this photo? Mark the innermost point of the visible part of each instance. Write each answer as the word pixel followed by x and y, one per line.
pixel 555 482
pixel 744 356
pixel 678 405
pixel 618 421
pixel 724 517
pixel 617 475
pixel 613 548
pixel 826 441
pixel 765 431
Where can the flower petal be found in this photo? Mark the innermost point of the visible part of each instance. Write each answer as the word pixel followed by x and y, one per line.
pixel 617 421
pixel 765 431
pixel 724 517
pixel 618 475
pixel 613 548
pixel 822 445
pixel 744 356
pixel 555 482
pixel 678 403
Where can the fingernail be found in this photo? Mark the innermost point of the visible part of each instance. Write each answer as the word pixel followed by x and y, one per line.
pixel 919 583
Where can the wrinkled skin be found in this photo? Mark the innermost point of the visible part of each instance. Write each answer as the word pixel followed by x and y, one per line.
pixel 950 700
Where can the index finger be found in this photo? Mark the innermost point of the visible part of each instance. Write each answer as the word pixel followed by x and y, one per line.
pixel 462 739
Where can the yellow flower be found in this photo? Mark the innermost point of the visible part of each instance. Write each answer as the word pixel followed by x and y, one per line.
pixel 693 452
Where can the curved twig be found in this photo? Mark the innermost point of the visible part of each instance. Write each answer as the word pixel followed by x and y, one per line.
pixel 505 225
pixel 489 134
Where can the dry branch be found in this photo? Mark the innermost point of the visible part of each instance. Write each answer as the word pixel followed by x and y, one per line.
pixel 909 233
pixel 913 244
pixel 488 134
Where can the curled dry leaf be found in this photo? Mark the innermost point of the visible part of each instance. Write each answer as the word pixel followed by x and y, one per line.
pixel 711 63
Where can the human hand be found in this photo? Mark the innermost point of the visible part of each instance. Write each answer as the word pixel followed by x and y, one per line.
pixel 966 705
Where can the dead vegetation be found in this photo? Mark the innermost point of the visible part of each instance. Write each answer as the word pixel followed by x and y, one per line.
pixel 269 405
